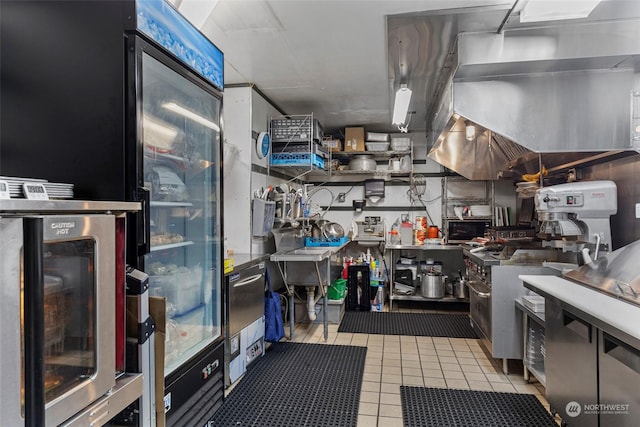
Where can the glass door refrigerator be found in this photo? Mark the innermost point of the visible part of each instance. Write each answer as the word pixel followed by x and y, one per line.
pixel 178 134
pixel 123 99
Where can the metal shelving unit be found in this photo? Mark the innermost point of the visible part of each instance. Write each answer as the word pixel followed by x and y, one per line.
pixel 450 255
pixel 385 172
pixel 458 191
pixel 296 147
pixel 533 332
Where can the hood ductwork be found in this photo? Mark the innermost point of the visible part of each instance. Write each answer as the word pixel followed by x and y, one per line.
pixel 559 94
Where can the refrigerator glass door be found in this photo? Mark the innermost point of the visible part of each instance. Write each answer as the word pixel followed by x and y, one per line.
pixel 180 135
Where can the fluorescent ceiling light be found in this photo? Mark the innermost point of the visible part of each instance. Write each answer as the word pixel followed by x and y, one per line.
pixel 401 105
pixel 552 10
pixel 158 134
pixel 172 106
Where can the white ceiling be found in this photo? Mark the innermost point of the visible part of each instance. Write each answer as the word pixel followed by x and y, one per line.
pixel 343 60
pixel 326 57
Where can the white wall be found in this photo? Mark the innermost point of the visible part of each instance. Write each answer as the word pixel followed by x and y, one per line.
pixel 245 113
pixel 237 185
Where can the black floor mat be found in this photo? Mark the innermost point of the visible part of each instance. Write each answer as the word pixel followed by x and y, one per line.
pixel 298 385
pixel 416 324
pixel 437 407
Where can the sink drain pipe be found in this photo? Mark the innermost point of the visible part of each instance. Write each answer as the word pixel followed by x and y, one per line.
pixel 311 302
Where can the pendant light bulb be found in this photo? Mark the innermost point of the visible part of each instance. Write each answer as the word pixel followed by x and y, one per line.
pixel 470 132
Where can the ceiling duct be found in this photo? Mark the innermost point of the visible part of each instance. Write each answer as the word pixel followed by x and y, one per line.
pixel 563 90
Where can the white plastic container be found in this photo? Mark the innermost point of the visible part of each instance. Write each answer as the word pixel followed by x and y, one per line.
pixel 400 144
pixel 377 146
pixel 182 289
pixel 377 137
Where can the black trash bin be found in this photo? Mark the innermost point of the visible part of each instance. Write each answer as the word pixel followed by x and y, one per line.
pixel 358 288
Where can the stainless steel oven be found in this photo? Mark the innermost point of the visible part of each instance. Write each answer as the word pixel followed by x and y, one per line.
pixel 61 349
pixel 480 306
pixel 493 287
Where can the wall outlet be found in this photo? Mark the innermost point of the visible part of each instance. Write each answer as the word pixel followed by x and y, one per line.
pixel 637 210
pixel 342 197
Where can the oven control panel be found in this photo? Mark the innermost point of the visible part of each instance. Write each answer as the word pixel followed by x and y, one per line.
pixel 476 271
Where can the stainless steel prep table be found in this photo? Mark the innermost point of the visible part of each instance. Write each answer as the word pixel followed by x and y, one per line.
pixel 604 367
pixel 293 264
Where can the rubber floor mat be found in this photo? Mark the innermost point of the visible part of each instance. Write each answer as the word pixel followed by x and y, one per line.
pixel 416 324
pixel 438 407
pixel 297 385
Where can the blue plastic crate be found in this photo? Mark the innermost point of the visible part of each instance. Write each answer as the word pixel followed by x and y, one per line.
pixel 296 159
pixel 325 241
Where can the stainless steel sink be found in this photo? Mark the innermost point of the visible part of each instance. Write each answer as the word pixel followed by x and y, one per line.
pixel 302 254
pixel 308 251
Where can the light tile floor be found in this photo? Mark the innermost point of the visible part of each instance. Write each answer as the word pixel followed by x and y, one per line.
pixel 421 361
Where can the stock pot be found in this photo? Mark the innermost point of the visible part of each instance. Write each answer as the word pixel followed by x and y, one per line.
pixel 362 162
pixel 432 285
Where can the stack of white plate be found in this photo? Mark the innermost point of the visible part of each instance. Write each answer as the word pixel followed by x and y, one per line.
pixel 57 190
pixel 534 303
pixel 54 190
pixel 15 185
pixel 480 210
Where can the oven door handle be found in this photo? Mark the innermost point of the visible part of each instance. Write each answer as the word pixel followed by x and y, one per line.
pixel 33 270
pixel 480 294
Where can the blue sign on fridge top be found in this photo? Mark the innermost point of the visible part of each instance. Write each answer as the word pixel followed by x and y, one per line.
pixel 160 21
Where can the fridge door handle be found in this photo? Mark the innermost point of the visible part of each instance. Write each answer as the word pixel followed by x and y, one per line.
pixel 144 216
pixel 577 325
pixel 622 352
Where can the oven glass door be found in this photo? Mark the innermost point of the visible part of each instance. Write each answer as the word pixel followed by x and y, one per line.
pixel 69 301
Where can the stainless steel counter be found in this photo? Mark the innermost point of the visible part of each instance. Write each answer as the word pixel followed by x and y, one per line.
pixel 242 261
pixel 599 309
pixel 482 258
pixel 592 356
pixel 426 247
pixel 71 206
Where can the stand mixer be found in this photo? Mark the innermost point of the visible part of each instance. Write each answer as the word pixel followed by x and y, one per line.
pixel 575 216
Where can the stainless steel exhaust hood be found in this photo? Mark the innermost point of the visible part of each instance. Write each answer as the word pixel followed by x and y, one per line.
pixel 565 90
